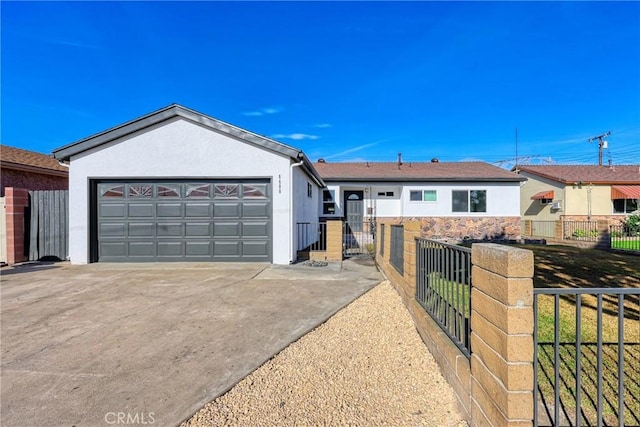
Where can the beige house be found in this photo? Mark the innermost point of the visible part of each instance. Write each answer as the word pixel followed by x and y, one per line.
pixel 579 192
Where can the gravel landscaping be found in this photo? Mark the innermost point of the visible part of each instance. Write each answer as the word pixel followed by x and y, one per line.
pixel 365 366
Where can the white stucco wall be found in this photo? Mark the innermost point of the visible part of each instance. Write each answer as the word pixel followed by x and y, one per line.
pixel 304 209
pixel 503 199
pixel 178 149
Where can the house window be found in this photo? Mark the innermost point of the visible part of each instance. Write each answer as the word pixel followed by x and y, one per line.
pixel 469 201
pixel 625 205
pixel 423 195
pixel 546 201
pixel 309 190
pixel 328 203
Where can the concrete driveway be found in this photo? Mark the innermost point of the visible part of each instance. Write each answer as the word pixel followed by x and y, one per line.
pixel 114 344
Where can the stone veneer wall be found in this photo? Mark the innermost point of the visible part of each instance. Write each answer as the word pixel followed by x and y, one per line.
pixel 460 228
pixel 494 386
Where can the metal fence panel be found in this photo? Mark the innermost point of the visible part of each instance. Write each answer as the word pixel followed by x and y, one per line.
pixel 580 230
pixel 543 229
pixel 443 288
pixel 311 236
pixel 357 237
pixel 396 252
pixel 586 375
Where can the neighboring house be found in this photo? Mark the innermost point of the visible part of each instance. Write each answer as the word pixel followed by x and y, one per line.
pixel 178 185
pixel 21 171
pixel 30 170
pixel 579 192
pixel 454 200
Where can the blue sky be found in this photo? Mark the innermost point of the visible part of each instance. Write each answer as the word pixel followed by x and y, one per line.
pixel 346 81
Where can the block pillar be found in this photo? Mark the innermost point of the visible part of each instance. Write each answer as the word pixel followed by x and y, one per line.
pixel 411 231
pixel 501 336
pixel 16 203
pixel 559 230
pixel 334 240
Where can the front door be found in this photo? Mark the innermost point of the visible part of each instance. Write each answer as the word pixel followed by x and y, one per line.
pixel 354 209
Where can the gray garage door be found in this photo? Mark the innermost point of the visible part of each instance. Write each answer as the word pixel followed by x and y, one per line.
pixel 184 221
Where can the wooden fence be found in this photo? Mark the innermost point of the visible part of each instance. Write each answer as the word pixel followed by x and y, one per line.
pixel 49 224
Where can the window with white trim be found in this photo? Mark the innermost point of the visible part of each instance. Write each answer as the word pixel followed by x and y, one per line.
pixel 625 205
pixel 328 202
pixel 423 195
pixel 469 201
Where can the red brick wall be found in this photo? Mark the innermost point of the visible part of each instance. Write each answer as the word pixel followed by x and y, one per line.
pixel 32 181
pixel 16 203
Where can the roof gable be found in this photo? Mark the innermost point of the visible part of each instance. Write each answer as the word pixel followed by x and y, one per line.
pixel 175 110
pixel 415 171
pixel 18 158
pixel 593 174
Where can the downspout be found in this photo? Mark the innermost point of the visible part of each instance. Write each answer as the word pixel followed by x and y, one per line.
pixel 293 165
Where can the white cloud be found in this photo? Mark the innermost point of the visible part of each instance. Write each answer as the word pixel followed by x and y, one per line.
pixel 294 136
pixel 263 111
pixel 323 125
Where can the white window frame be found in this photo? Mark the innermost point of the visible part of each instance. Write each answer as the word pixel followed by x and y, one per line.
pixel 468 191
pixel 423 193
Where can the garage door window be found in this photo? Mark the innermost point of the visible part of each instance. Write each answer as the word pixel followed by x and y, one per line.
pixel 225 191
pixel 112 191
pixel 140 191
pixel 254 190
pixel 168 190
pixel 197 190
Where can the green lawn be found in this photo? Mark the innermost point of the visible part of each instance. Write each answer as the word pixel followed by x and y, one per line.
pixel 562 266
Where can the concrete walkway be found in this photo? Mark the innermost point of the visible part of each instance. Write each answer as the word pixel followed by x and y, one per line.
pixel 108 344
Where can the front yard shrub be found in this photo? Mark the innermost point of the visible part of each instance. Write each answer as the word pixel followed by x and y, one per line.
pixel 584 233
pixel 632 225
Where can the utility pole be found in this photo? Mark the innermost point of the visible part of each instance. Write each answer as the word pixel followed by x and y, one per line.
pixel 601 144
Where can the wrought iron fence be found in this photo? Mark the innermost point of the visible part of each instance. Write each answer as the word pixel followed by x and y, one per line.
pixel 624 237
pixel 396 252
pixel 357 237
pixel 586 356
pixel 443 288
pixel 312 236
pixel 580 230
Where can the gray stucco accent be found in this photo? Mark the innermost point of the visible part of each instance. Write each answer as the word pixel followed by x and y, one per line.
pixel 66 152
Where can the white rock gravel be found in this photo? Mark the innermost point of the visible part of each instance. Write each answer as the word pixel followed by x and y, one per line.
pixel 365 366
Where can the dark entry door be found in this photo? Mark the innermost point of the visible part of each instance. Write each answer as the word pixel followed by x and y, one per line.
pixel 354 209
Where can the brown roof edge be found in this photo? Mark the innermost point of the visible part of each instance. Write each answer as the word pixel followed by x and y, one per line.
pixel 30 161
